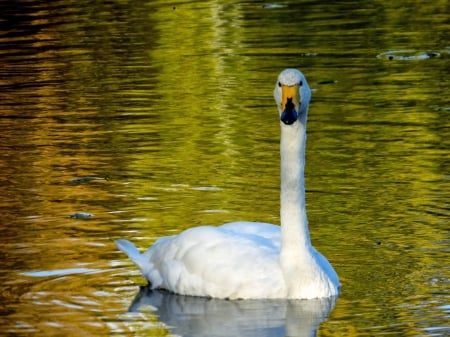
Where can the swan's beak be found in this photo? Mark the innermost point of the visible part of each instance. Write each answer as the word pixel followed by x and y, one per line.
pixel 290 103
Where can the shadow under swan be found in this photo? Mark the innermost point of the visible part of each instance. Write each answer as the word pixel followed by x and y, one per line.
pixel 201 316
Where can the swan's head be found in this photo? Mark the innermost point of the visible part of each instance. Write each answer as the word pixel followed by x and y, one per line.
pixel 292 94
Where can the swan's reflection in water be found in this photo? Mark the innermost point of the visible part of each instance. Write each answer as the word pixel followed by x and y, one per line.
pixel 199 316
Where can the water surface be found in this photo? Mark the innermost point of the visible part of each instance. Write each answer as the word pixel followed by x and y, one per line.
pixel 138 120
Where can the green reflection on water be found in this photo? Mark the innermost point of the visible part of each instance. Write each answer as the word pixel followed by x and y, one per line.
pixel 174 106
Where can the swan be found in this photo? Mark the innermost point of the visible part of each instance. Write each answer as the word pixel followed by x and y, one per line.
pixel 251 260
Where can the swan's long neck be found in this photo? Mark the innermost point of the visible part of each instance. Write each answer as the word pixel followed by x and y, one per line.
pixel 295 239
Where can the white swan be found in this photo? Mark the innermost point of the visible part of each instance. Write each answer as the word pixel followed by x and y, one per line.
pixel 243 260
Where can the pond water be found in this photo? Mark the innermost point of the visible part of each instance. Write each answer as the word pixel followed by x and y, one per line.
pixel 140 119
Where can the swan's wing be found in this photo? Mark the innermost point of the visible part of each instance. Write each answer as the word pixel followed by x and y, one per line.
pixel 269 232
pixel 219 262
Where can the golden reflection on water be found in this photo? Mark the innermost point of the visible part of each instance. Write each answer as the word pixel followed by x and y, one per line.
pixel 172 104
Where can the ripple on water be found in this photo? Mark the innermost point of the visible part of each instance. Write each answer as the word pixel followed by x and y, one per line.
pixel 408 55
pixel 61 272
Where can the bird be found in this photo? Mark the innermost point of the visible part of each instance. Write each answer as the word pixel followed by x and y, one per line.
pixel 251 260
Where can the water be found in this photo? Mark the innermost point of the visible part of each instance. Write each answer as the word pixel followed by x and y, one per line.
pixel 138 120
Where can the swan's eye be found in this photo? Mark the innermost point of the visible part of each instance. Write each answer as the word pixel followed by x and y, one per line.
pixel 279 84
pixel 300 84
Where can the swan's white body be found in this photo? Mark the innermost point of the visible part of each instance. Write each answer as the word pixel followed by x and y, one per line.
pixel 251 259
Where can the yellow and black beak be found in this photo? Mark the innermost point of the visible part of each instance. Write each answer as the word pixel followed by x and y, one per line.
pixel 290 103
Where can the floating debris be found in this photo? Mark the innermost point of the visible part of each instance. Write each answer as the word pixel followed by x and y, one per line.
pixel 81 180
pixel 81 215
pixel 407 55
pixel 274 6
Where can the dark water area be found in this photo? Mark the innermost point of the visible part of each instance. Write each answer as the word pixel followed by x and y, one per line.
pixel 141 119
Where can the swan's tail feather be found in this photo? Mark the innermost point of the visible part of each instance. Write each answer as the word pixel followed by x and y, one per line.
pixel 131 251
